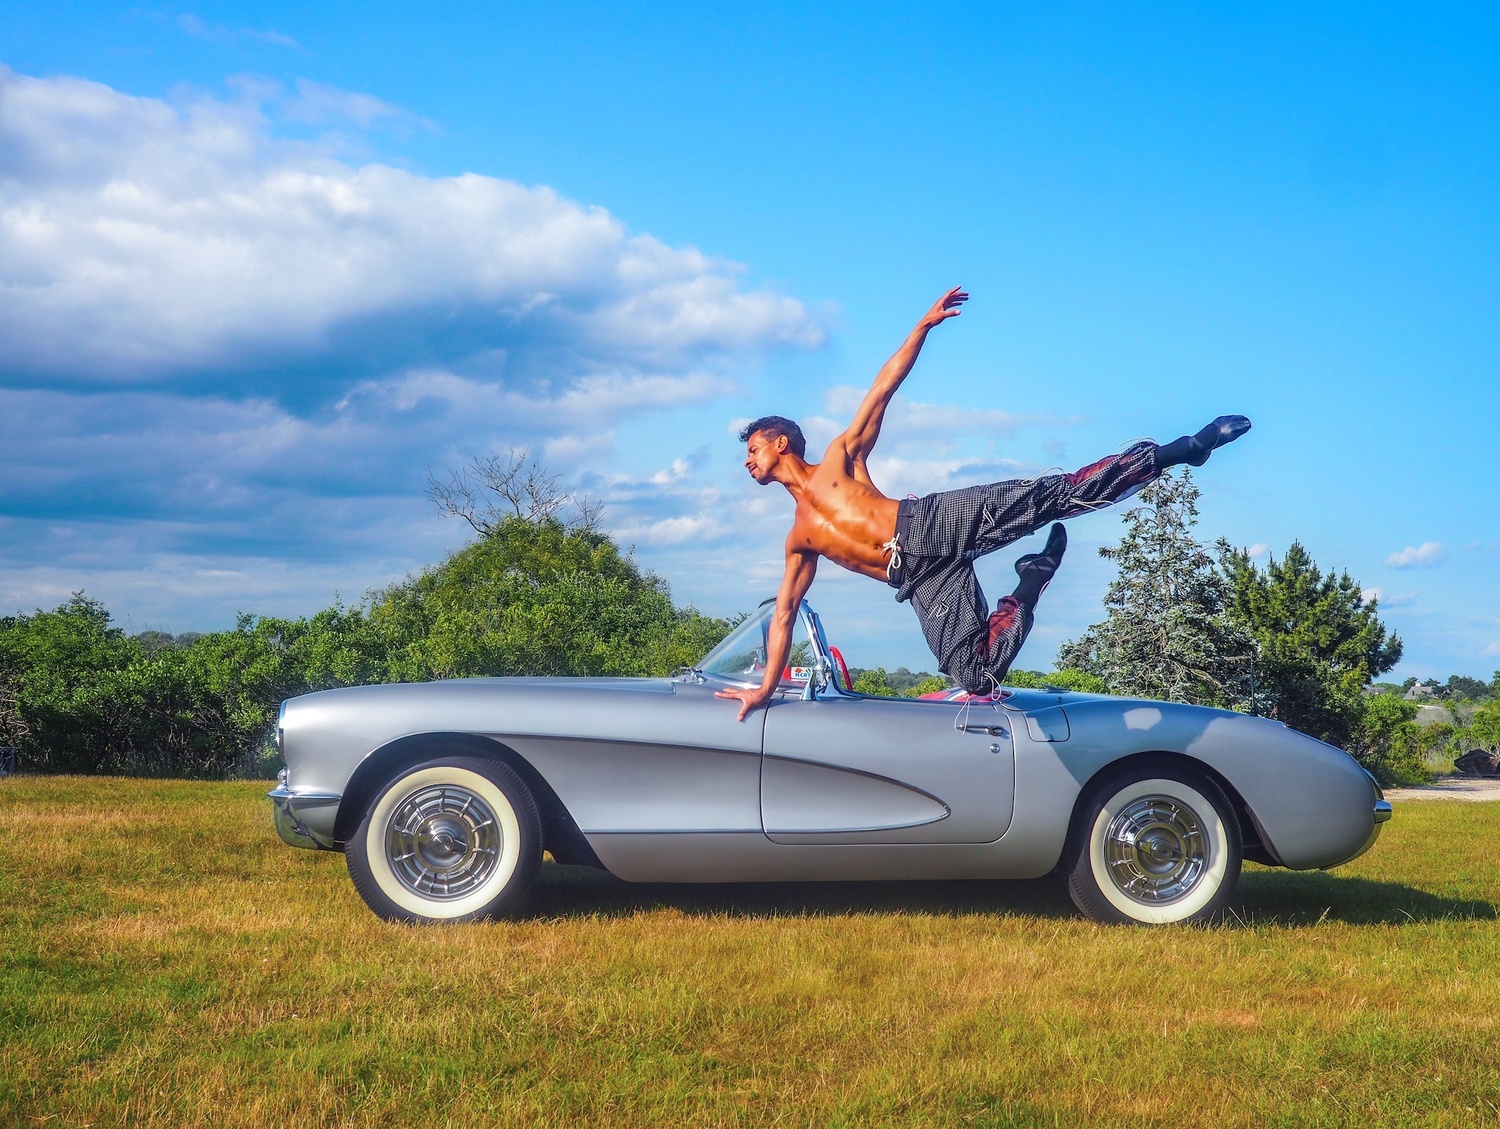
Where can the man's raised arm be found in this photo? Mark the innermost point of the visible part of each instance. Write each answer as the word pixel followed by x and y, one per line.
pixel 864 429
pixel 798 578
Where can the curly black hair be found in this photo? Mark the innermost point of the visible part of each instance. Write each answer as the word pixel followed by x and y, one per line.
pixel 774 426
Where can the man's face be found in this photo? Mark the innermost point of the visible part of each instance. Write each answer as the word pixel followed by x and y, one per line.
pixel 762 453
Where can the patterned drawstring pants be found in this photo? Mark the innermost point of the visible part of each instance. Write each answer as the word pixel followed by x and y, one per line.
pixel 939 537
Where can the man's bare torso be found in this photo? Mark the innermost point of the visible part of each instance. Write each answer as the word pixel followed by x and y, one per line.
pixel 842 516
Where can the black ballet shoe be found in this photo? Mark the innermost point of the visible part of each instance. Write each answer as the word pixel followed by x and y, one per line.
pixel 1036 569
pixel 1195 449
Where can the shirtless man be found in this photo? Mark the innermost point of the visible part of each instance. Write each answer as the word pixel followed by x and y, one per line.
pixel 925 547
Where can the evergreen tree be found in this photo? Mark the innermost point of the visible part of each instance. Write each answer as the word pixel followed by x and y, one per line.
pixel 1321 643
pixel 1166 634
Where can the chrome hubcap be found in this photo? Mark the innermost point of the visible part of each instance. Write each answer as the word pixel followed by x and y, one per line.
pixel 443 842
pixel 1156 849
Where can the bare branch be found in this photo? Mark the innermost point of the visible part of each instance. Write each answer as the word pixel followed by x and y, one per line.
pixel 13 728
pixel 455 497
pixel 493 488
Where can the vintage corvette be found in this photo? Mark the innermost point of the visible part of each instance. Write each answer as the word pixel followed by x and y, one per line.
pixel 444 795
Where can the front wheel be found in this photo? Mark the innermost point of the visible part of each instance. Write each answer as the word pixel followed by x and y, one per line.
pixel 453 839
pixel 1155 845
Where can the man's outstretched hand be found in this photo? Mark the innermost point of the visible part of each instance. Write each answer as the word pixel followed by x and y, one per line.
pixel 748 699
pixel 945 307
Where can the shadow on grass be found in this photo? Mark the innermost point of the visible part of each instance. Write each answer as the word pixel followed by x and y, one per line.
pixel 1304 897
pixel 577 891
pixel 1265 897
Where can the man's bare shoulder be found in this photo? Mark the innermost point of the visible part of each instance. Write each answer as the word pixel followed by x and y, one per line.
pixel 836 457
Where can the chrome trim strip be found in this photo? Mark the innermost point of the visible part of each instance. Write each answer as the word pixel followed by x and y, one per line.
pixel 1382 810
pixel 303 799
pixel 676 831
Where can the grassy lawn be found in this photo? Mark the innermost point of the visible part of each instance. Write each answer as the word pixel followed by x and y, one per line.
pixel 164 960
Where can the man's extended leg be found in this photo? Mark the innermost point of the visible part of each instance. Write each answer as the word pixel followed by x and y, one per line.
pixel 977 520
pixel 941 535
pixel 1002 512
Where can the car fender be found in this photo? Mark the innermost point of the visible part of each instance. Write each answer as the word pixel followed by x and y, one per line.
pixel 1311 802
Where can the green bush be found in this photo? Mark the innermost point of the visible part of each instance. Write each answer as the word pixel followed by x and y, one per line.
pixel 874 683
pixel 1387 740
pixel 1069 678
pixel 530 598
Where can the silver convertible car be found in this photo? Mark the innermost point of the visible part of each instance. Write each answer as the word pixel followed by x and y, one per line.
pixel 444 795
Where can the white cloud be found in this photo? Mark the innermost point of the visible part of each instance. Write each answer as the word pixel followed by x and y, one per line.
pixel 1491 649
pixel 909 420
pixel 140 237
pixel 199 28
pixel 228 359
pixel 587 403
pixel 1259 549
pixel 939 419
pixel 697 528
pixel 316 104
pixel 1399 600
pixel 899 476
pixel 1426 554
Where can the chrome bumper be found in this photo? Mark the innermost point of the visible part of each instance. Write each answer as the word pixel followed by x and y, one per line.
pixel 288 808
pixel 1382 811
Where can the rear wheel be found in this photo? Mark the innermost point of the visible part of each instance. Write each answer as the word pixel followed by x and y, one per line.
pixel 1155 845
pixel 452 839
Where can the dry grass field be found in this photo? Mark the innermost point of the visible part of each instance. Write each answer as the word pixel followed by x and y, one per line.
pixel 164 960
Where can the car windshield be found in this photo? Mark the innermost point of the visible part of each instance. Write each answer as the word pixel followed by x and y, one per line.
pixel 741 656
pixel 741 659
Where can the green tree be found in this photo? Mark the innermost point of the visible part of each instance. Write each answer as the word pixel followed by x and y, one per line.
pixel 1484 727
pixel 1320 642
pixel 874 683
pixel 1461 687
pixel 533 596
pixel 1069 678
pixel 1166 634
pixel 56 673
pixel 932 684
pixel 540 598
pixel 1386 739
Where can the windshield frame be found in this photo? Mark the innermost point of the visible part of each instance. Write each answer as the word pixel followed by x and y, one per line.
pixel 821 680
pixel 824 680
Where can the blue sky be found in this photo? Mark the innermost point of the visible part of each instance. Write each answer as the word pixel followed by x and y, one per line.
pixel 264 265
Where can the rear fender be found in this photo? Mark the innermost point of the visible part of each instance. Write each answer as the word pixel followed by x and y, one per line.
pixel 1311 805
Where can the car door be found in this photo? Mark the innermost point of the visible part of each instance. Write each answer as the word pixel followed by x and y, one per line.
pixel 850 769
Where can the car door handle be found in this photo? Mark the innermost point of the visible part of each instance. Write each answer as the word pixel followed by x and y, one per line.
pixel 988 730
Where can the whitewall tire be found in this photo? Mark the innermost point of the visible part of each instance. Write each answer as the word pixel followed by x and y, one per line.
pixel 1156 845
pixel 452 839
